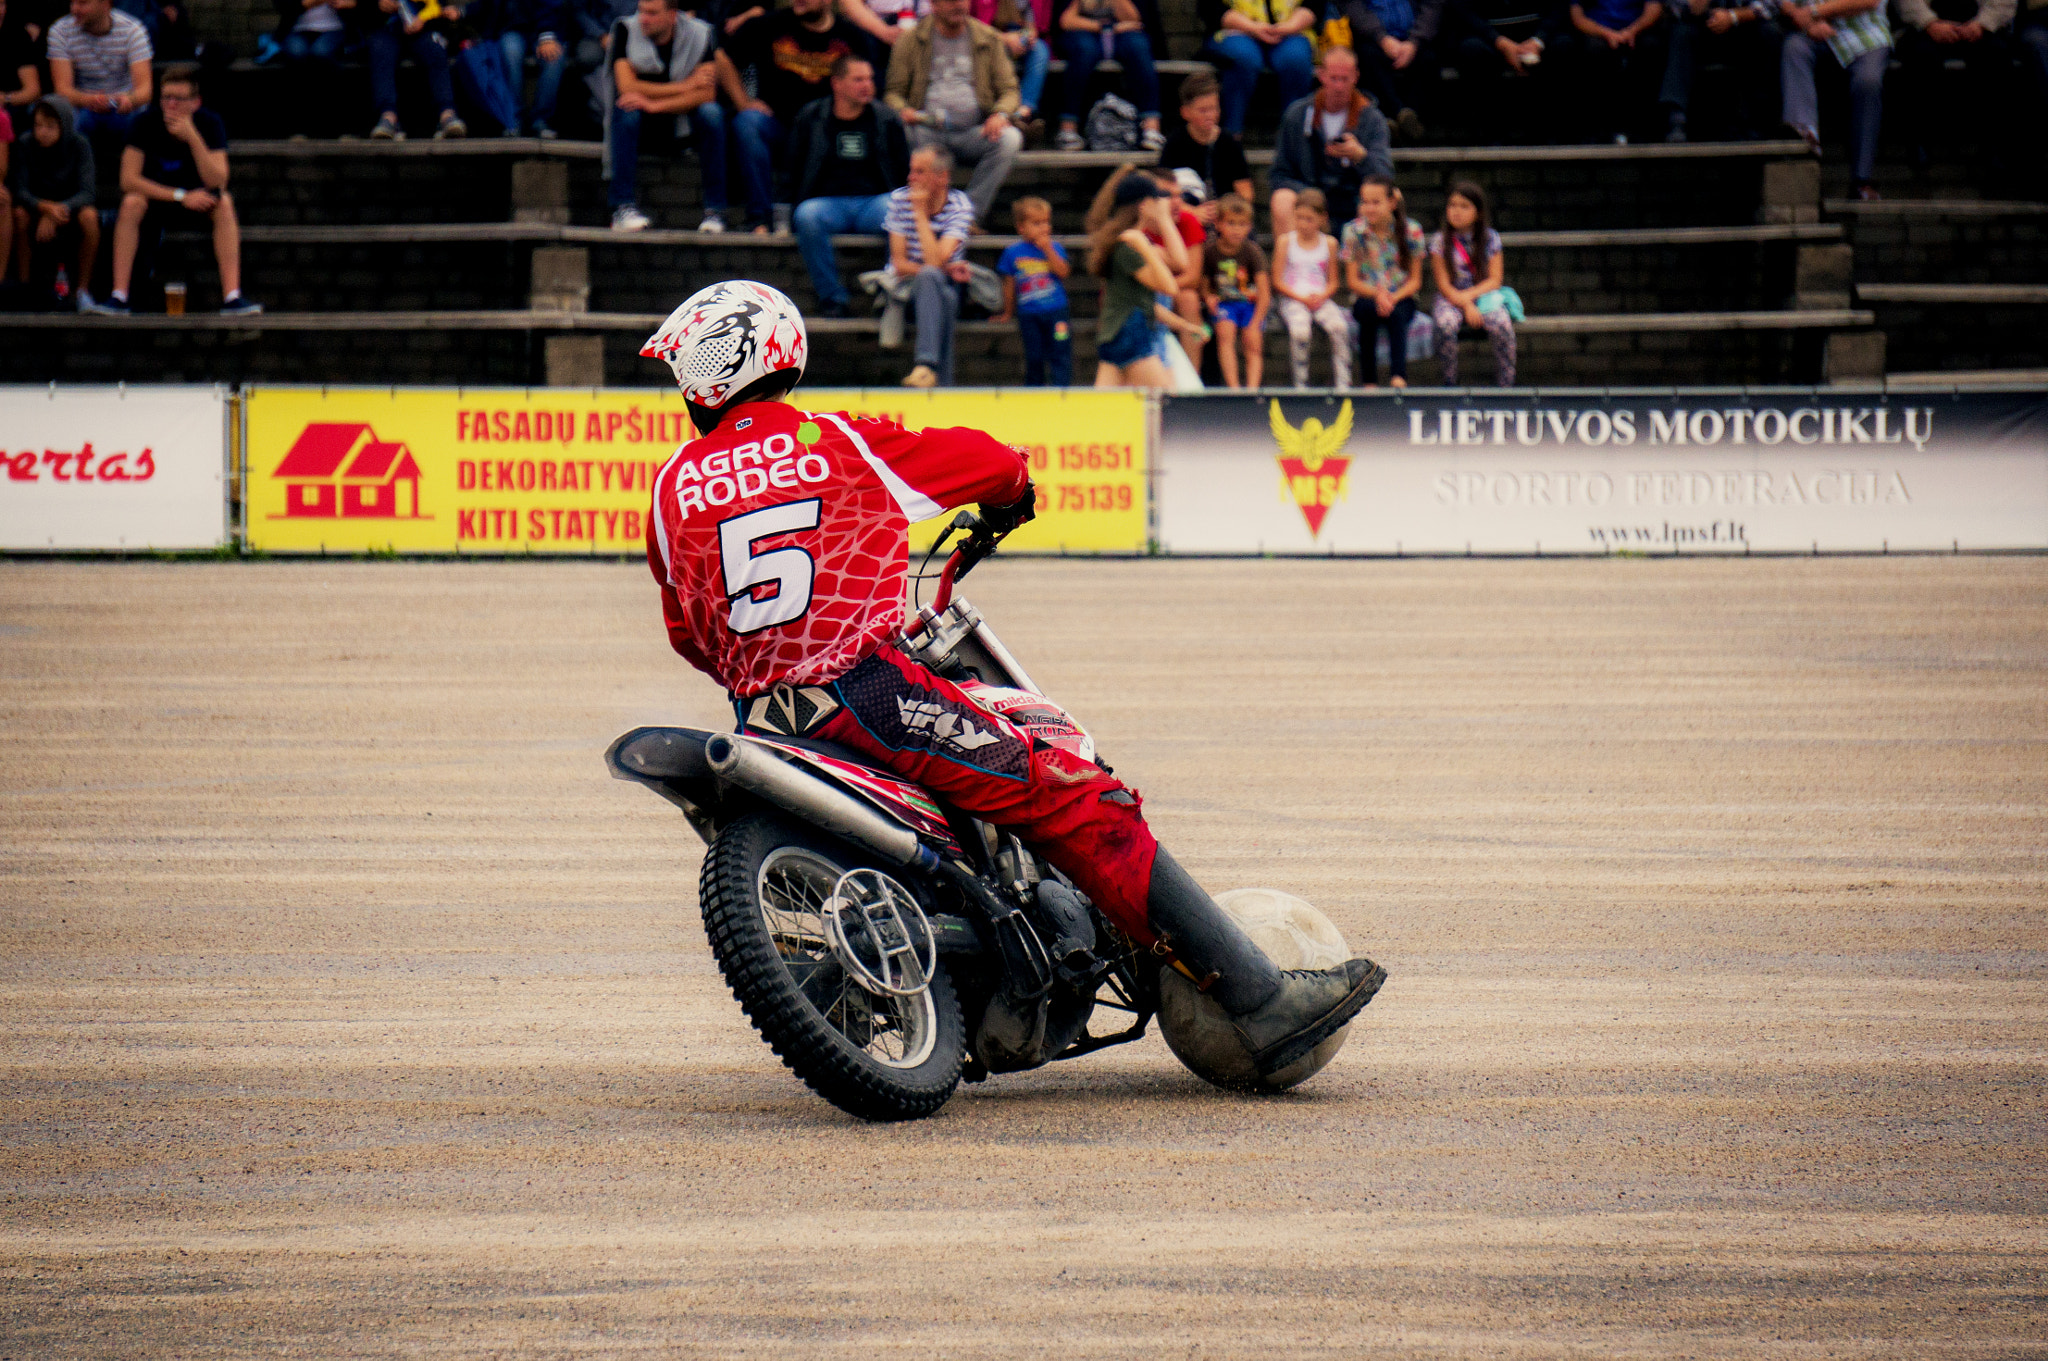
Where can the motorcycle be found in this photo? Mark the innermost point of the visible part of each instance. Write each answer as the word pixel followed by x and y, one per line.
pixel 886 946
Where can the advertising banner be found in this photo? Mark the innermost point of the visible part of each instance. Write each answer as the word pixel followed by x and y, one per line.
pixel 1715 472
pixel 1087 455
pixel 113 468
pixel 446 470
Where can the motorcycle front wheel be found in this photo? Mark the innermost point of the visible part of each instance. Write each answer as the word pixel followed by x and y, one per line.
pixel 764 885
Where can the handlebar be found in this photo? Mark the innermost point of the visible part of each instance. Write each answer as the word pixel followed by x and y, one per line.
pixel 979 543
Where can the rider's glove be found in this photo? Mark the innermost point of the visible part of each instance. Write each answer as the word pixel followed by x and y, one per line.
pixel 1002 519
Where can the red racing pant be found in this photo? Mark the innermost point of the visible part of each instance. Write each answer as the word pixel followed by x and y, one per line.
pixel 919 726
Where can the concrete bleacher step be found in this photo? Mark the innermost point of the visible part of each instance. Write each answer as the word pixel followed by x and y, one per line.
pixel 467 266
pixel 510 347
pixel 1534 188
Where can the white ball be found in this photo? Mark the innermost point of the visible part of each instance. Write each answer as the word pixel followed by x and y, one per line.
pixel 1294 936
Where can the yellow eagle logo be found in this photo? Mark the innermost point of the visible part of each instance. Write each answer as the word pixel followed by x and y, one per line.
pixel 1313 474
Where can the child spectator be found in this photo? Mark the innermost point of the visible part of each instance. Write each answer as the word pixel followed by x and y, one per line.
pixel 54 217
pixel 1383 252
pixel 1469 268
pixel 1201 145
pixel 1238 290
pixel 1305 267
pixel 1093 31
pixel 1034 293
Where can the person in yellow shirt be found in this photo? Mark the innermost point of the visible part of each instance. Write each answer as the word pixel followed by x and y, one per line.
pixel 1250 36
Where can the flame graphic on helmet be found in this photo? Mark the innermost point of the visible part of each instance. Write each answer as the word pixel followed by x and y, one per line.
pixel 727 337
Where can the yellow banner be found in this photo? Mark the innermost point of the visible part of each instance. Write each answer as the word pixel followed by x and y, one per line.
pixel 1087 455
pixel 515 470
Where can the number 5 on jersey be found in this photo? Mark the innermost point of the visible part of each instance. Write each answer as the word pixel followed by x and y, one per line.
pixel 788 570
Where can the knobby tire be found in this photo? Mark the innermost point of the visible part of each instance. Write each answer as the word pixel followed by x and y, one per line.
pixel 817 1052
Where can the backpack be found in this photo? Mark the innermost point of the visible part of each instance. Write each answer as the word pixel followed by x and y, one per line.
pixel 1112 125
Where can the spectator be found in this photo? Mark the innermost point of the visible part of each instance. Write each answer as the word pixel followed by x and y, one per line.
pixel 1393 41
pixel 1614 55
pixel 952 84
pixel 1305 277
pixel 167 23
pixel 1977 33
pixel 885 21
pixel 792 52
pixel 21 83
pixel 1856 38
pixel 1491 39
pixel 407 28
pixel 1201 145
pixel 541 27
pixel 1121 254
pixel 846 155
pixel 1034 274
pixel 174 171
pixel 1329 141
pixel 53 178
pixel 1238 290
pixel 593 20
pixel 1092 31
pixel 1742 35
pixel 1466 257
pixel 929 222
pixel 1022 22
pixel 37 16
pixel 1185 303
pixel 1383 252
pixel 2033 41
pixel 99 64
pixel 312 35
pixel 1250 36
pixel 661 62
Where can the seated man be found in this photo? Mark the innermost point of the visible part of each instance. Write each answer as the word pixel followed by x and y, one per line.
pixel 847 154
pixel 414 30
pixel 661 64
pixel 54 182
pixel 99 64
pixel 1615 53
pixel 1977 33
pixel 539 27
pixel 791 52
pixel 951 82
pixel 928 225
pixel 1393 40
pixel 1330 140
pixel 174 172
pixel 1741 34
pixel 1854 37
pixel 312 36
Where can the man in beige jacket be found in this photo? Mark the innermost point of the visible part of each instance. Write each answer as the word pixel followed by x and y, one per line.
pixel 952 83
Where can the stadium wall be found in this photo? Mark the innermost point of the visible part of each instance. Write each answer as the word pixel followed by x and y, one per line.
pixel 503 471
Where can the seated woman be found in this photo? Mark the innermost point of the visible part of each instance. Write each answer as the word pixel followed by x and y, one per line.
pixel 1092 31
pixel 1250 36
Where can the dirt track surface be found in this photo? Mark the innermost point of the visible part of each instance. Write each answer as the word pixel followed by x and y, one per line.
pixel 349 1008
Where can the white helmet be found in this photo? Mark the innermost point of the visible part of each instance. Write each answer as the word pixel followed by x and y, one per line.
pixel 729 337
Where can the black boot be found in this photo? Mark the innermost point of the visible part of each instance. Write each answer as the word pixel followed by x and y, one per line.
pixel 1279 1014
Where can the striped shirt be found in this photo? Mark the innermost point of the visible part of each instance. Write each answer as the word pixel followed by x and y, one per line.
pixel 100 62
pixel 954 218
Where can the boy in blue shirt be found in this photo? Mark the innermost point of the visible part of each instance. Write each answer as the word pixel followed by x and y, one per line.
pixel 1032 293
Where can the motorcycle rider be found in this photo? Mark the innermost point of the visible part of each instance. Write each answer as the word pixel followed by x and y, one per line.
pixel 778 537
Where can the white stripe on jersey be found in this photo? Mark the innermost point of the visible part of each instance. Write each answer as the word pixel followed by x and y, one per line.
pixel 660 521
pixel 915 504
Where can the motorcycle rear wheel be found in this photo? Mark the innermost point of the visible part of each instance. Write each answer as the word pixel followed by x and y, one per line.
pixel 874 1057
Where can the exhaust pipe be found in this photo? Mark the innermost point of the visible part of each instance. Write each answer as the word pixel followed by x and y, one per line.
pixel 740 762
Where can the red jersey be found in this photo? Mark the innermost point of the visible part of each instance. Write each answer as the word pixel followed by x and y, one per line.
pixel 779 538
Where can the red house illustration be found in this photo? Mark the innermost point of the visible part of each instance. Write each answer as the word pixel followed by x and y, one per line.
pixel 343 471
